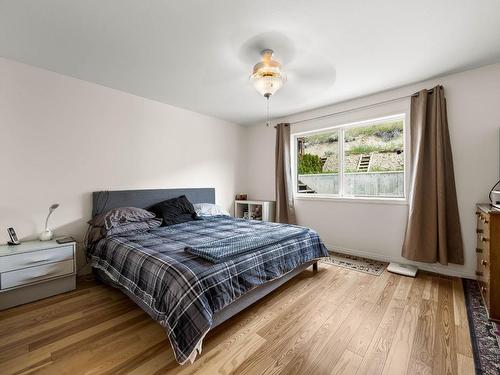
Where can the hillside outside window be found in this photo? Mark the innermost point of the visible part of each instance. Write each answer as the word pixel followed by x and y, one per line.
pixel 365 159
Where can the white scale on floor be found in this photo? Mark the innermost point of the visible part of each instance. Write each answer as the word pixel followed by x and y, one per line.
pixel 402 269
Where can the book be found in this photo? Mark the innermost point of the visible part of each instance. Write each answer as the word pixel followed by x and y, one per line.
pixel 65 239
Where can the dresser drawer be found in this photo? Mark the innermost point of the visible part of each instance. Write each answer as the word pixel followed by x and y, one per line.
pixel 35 258
pixel 33 274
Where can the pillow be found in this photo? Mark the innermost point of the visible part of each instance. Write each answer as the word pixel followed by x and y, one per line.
pixel 119 216
pixel 95 233
pixel 209 209
pixel 133 227
pixel 175 210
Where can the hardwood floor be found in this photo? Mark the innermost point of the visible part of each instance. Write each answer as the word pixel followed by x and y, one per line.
pixel 335 321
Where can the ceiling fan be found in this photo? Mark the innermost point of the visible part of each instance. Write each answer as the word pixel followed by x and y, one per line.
pixel 268 77
pixel 273 61
pixel 308 73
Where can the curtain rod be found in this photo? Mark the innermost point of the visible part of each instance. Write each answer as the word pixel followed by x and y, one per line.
pixel 357 108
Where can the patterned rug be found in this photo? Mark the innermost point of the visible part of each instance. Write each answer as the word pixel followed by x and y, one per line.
pixel 372 267
pixel 485 334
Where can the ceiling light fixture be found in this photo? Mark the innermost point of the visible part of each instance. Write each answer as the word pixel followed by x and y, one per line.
pixel 267 77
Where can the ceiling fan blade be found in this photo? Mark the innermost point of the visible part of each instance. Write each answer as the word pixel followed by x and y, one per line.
pixel 231 77
pixel 315 73
pixel 250 51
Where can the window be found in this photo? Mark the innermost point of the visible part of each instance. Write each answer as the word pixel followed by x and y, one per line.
pixel 359 160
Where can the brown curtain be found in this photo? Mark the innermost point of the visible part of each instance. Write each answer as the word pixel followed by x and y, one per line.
pixel 433 231
pixel 285 211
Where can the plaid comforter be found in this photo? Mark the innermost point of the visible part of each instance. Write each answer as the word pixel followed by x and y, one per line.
pixel 182 291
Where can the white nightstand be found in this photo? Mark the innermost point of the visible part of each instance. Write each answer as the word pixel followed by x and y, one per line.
pixel 35 270
pixel 257 210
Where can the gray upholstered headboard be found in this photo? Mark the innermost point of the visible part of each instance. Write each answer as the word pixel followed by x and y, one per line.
pixel 106 200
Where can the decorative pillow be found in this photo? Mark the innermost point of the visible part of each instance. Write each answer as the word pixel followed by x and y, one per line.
pixel 175 210
pixel 133 227
pixel 119 216
pixel 209 209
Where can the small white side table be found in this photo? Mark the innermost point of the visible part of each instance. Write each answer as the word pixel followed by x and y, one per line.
pixel 34 270
pixel 257 210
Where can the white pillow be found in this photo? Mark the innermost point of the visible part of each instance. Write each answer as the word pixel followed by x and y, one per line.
pixel 209 209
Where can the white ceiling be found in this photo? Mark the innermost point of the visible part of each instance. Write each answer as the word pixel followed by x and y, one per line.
pixel 191 54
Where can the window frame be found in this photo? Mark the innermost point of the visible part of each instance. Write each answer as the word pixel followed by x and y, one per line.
pixel 342 127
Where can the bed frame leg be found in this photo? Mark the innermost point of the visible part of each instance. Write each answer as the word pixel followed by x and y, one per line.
pixel 315 266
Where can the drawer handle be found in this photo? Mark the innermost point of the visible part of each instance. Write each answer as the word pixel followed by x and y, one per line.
pixel 478 250
pixel 484 220
pixel 39 260
pixel 479 273
pixel 479 231
pixel 484 263
pixel 484 239
pixel 483 289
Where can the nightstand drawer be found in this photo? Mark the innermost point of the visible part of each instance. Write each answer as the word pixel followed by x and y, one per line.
pixel 36 258
pixel 33 274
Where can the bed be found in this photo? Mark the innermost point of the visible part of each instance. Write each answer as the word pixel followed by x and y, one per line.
pixel 186 294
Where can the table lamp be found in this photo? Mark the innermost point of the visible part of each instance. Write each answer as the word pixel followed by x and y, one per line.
pixel 47 234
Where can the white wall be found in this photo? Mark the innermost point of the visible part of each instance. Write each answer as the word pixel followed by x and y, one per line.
pixel 62 138
pixel 377 230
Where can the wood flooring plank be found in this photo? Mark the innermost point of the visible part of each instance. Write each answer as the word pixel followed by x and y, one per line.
pixel 461 322
pixel 399 354
pixel 287 318
pixel 225 362
pixel 297 341
pixel 59 299
pixel 312 349
pixel 348 364
pixel 422 352
pixel 107 353
pixel 136 359
pixel 289 324
pixel 49 325
pixel 445 359
pixel 361 340
pixel 78 340
pixel 49 313
pixel 374 360
pixel 160 361
pixel 465 365
pixel 337 343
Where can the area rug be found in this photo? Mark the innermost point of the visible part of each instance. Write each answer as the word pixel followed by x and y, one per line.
pixel 360 264
pixel 485 334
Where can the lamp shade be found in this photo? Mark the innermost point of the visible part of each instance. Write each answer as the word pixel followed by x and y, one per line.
pixel 267 77
pixel 267 85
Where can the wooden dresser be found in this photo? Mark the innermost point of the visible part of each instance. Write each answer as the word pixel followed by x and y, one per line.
pixel 488 257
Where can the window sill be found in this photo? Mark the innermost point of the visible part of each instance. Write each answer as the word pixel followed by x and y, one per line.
pixel 366 200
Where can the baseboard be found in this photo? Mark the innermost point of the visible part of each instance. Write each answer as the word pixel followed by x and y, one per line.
pixel 431 267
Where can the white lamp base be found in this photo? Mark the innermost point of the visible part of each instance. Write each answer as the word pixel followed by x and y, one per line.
pixel 46 235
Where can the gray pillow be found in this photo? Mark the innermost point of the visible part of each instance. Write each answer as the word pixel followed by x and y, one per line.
pixel 120 216
pixel 133 227
pixel 209 209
